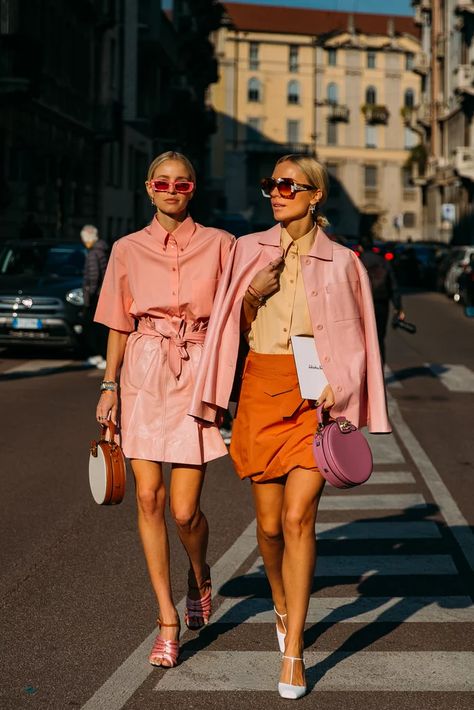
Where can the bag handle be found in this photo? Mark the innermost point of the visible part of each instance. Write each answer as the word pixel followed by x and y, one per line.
pixel 107 431
pixel 323 415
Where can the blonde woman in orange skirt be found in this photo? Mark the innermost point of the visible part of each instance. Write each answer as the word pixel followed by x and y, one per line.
pixel 290 280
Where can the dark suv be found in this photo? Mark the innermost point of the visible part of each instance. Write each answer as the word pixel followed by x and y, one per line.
pixel 41 299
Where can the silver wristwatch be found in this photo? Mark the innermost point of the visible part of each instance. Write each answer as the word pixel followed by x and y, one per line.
pixel 108 385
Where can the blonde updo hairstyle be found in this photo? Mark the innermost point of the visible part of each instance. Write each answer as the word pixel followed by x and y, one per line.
pixel 317 175
pixel 171 155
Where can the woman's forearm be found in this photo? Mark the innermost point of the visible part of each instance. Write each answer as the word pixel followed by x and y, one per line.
pixel 115 351
pixel 249 311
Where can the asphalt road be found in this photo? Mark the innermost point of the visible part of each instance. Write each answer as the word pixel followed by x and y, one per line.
pixel 391 617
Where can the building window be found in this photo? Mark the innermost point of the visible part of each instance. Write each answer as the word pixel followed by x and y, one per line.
pixel 254 90
pixel 406 178
pixel 331 133
pixel 254 128
pixel 371 96
pixel 293 58
pixel 370 176
pixel 371 60
pixel 332 93
pixel 253 55
pixel 293 131
pixel 332 169
pixel 332 57
pixel 409 61
pixel 293 92
pixel 370 136
pixel 410 137
pixel 409 98
pixel 409 219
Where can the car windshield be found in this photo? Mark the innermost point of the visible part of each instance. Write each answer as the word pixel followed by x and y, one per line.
pixel 42 260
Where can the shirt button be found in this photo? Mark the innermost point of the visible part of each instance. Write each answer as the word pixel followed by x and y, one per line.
pixel 285 330
pixel 307 262
pixel 314 293
pixel 339 388
pixel 327 359
pixel 173 293
pixel 174 268
pixel 292 281
pixel 319 327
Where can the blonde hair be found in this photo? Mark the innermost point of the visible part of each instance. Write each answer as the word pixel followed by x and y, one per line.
pixel 171 155
pixel 317 175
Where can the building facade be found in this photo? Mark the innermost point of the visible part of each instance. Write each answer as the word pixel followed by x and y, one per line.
pixel 444 118
pixel 336 85
pixel 89 94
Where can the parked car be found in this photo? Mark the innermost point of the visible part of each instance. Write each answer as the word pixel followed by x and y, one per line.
pixel 41 300
pixel 459 260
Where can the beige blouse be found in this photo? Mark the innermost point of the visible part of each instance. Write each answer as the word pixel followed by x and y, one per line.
pixel 285 312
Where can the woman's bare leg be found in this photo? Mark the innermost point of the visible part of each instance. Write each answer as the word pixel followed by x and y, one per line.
pixel 151 502
pixel 268 498
pixel 302 493
pixel 185 494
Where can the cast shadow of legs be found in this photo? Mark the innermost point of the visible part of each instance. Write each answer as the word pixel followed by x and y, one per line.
pixel 400 598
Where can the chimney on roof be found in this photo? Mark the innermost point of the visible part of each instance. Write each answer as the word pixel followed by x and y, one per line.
pixel 350 24
pixel 391 27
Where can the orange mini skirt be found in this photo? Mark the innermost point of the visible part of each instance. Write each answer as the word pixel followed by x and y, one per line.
pixel 274 426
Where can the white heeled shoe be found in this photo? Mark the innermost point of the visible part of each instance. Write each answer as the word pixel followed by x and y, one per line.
pixel 288 690
pixel 281 636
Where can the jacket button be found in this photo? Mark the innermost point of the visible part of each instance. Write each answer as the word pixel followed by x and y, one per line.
pixel 327 358
pixel 339 388
pixel 307 262
pixel 314 293
pixel 319 327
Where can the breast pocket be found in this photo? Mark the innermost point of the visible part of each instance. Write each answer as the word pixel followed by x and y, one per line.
pixel 203 292
pixel 343 301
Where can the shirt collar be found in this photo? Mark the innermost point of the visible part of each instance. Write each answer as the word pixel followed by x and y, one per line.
pixel 182 235
pixel 302 244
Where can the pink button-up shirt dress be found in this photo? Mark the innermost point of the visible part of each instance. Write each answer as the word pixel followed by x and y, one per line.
pixel 160 287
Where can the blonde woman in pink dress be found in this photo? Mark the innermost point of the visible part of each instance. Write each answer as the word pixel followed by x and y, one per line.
pixel 156 300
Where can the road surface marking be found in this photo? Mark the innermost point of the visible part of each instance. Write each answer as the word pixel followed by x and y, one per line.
pixel 385 449
pixel 367 610
pixel 379 478
pixel 391 379
pixel 456 378
pixel 133 672
pixel 393 565
pixel 382 501
pixel 387 671
pixel 375 530
pixel 440 492
pixel 40 366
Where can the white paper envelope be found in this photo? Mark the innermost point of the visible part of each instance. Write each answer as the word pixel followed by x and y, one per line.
pixel 311 377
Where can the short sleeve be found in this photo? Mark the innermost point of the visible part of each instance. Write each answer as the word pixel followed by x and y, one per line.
pixel 115 299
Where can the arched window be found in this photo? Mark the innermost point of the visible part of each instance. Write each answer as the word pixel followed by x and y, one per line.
pixel 409 100
pixel 332 93
pixel 293 92
pixel 254 90
pixel 371 96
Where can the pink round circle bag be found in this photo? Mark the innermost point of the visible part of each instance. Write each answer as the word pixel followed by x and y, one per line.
pixel 341 451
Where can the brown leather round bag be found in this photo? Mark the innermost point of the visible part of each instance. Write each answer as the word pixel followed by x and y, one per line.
pixel 106 467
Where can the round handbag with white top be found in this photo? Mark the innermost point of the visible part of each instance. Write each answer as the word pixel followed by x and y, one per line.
pixel 107 467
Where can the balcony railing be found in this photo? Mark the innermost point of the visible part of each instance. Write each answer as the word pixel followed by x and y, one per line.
pixel 464 161
pixel 338 112
pixel 269 146
pixel 464 6
pixel 464 81
pixel 375 113
pixel 421 63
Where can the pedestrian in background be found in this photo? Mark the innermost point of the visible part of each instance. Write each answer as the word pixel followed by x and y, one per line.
pixel 384 287
pixel 290 280
pixel 156 300
pixel 95 264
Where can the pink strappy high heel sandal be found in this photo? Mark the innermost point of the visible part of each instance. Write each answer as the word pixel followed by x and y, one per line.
pixel 165 650
pixel 198 611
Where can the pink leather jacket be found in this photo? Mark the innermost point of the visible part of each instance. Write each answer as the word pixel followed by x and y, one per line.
pixel 342 314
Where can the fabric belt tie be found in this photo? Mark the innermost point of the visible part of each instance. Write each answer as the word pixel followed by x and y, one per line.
pixel 177 337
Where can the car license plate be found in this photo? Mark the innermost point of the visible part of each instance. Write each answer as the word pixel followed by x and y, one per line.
pixel 27 324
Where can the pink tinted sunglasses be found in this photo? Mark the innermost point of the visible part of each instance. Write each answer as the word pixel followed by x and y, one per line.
pixel 184 187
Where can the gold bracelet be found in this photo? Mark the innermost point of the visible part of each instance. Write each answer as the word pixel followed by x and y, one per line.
pixel 251 303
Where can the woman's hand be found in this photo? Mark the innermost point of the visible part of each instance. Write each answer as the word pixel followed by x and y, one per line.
pixel 327 398
pixel 107 407
pixel 267 280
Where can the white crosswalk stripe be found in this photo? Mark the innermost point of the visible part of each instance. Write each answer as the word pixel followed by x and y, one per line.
pixel 456 378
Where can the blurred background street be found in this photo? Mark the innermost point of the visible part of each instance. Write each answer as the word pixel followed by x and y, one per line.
pixel 90 92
